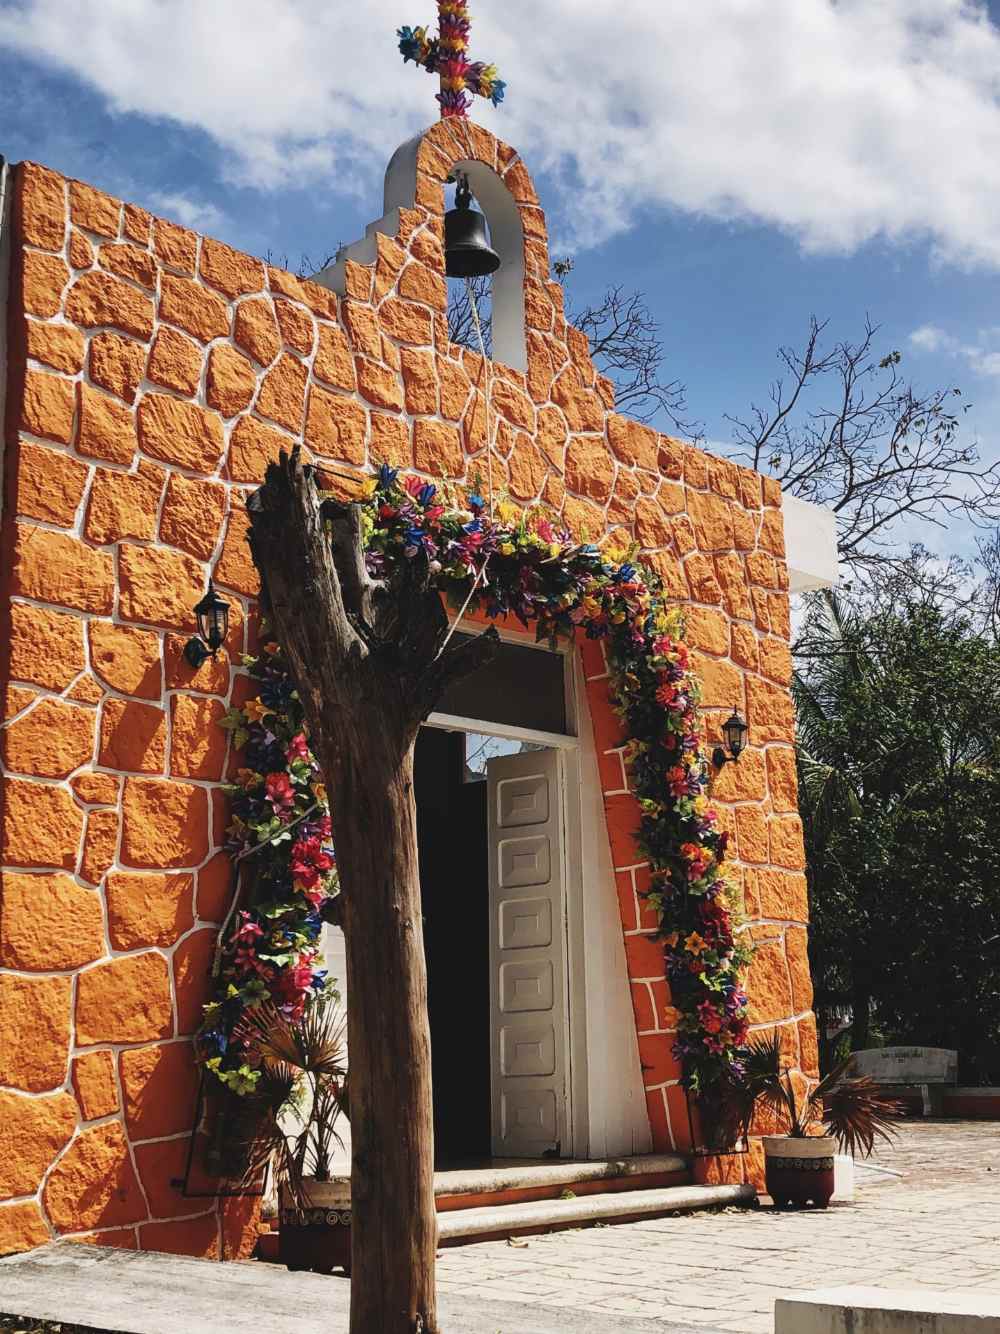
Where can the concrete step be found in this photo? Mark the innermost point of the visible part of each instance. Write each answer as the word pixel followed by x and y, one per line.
pixel 460 1226
pixel 511 1181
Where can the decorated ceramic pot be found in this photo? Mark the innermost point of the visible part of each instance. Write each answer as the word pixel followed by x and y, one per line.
pixel 799 1170
pixel 318 1236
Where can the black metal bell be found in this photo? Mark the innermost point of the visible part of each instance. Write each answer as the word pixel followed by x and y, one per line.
pixel 467 250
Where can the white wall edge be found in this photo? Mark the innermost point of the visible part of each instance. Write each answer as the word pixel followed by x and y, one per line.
pixel 810 544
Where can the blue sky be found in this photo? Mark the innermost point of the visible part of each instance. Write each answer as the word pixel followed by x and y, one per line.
pixel 746 165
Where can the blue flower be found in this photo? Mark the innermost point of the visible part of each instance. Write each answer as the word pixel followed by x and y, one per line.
pixel 319 979
pixel 426 494
pixel 386 477
pixel 476 503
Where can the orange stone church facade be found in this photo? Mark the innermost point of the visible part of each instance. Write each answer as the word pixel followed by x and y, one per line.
pixel 151 373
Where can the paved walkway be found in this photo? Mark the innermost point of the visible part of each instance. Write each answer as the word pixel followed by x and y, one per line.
pixel 937 1226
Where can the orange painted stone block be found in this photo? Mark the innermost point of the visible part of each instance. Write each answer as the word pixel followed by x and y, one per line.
pixel 282 393
pixel 786 842
pixel 41 197
pixel 783 895
pixel 45 647
pixel 98 299
pixel 798 967
pixel 81 252
pixel 657 1059
pixel 32 1132
pixel 589 469
pixel 160 1163
pixel 128 261
pixel 231 380
pixel 192 515
pixel 214 889
pixel 94 1184
pixel 124 1000
pixel 707 629
pixel 133 737
pixel 644 956
pixel 165 823
pixel 197 742
pixel 127 658
pixel 146 910
pixel 406 322
pixel 335 426
pixel 768 985
pixel 95 789
pixel 420 384
pixel 782 779
pixel 659 1121
pixel 808 1046
pixel 94 1082
pixel 378 384
pixel 58 345
pixel 297 326
pixel 769 711
pixel 721 684
pixel 418 283
pixel 175 362
pixel 256 330
pixel 41 826
pixel 21 1228
pixel 623 813
pixel 107 427
pixel 193 308
pixel 93 209
pixel 50 484
pixel 212 677
pixel 43 280
pixel 160 1088
pixel 334 361
pixel 235 568
pixel 179 432
pixel 124 505
pixel 632 442
pixel 47 406
pixel 48 923
pixel 712 520
pixel 229 270
pixel 116 364
pixel 158 586
pixel 193 1236
pixel 174 245
pixel 99 845
pixel 192 977
pixel 34 1031
pixel 744 781
pixel 86 690
pixel 252 446
pixel 390 440
pixel 752 834
pixel 136 224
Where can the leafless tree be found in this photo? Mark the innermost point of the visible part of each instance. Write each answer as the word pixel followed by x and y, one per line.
pixel 625 343
pixel 844 428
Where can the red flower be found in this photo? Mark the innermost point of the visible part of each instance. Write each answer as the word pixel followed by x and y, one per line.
pixel 298 748
pixel 280 792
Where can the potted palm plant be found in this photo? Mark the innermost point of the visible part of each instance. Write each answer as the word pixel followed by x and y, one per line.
pixel 299 1097
pixel 843 1112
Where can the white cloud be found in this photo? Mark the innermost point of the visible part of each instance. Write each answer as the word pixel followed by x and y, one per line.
pixel 839 121
pixel 194 213
pixel 982 357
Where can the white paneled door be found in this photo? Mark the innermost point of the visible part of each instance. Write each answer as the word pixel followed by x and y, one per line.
pixel 528 1013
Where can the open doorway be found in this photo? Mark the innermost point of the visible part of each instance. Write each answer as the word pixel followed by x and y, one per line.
pixel 489 782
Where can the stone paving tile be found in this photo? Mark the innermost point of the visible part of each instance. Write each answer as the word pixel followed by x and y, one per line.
pixel 937 1226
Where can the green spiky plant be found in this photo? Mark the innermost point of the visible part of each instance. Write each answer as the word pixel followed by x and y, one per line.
pixel 300 1095
pixel 850 1108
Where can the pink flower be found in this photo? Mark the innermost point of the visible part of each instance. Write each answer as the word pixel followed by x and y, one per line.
pixel 298 748
pixel 280 792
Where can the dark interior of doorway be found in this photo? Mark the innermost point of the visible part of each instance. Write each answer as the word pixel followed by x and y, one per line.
pixel 454 886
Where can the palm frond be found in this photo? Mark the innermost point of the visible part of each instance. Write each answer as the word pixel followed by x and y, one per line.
pixel 857 1113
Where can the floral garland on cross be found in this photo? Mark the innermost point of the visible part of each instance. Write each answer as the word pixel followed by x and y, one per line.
pixel 522 564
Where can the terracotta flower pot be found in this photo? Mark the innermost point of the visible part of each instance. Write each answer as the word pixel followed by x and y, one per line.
pixel 799 1170
pixel 317 1237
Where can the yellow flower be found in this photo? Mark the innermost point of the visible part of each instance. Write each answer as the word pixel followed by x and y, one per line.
pixel 319 791
pixel 256 710
pixel 506 548
pixel 694 943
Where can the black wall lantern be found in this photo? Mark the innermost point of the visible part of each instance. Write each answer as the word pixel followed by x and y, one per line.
pixel 213 626
pixel 734 732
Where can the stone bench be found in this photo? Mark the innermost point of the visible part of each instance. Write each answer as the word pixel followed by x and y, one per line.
pixel 886 1311
pixel 929 1069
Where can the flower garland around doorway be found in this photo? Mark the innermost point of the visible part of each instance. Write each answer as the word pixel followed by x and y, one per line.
pixel 518 563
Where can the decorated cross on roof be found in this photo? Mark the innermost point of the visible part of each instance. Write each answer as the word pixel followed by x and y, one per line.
pixel 445 55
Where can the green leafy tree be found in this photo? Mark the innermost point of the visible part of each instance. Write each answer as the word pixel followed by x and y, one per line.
pixel 898 707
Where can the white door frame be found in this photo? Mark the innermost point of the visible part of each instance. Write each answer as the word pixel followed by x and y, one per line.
pixel 569 779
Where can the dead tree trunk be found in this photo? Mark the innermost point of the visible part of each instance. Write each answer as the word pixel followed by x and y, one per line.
pixel 368 664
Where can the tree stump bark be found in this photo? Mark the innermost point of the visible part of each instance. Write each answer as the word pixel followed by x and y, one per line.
pixel 369 662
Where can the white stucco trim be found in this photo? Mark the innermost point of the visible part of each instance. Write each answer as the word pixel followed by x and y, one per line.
pixel 810 544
